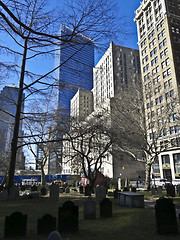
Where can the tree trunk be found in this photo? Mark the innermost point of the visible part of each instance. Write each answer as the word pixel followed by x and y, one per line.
pixel 148 176
pixel 17 122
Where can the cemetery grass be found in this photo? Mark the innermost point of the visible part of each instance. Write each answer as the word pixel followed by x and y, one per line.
pixel 126 223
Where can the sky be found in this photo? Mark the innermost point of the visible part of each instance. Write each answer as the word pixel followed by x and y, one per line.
pixel 125 8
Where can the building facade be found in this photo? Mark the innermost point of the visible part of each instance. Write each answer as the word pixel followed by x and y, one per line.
pixel 118 68
pixel 82 104
pixel 76 60
pixel 158 27
pixel 8 101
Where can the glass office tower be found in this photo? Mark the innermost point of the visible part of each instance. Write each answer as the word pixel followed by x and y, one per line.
pixel 76 60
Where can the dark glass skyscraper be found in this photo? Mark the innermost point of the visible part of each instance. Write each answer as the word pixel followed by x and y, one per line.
pixel 76 60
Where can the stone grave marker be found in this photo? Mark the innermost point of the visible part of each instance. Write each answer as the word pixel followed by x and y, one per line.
pixel 116 193
pixel 100 192
pixel 68 217
pixel 159 190
pixel 4 195
pixel 165 214
pixel 178 189
pixel 43 191
pixel 67 190
pixel 105 208
pixel 153 191
pixel 54 192
pixel 90 209
pixel 54 236
pixel 13 193
pixel 15 225
pixel 61 190
pixel 46 224
pixel 87 190
pixel 81 189
pixel 170 189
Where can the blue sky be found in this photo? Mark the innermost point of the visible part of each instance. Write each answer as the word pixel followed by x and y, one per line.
pixel 125 8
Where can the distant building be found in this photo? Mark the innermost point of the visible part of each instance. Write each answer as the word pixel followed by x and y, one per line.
pixel 118 68
pixel 82 104
pixel 158 26
pixel 76 61
pixel 8 101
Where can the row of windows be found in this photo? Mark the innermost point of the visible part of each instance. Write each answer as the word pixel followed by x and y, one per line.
pixel 159 100
pixel 164 132
pixel 165 63
pixel 175 30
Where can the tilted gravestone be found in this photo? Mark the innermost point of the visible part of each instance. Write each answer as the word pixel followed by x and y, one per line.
pixel 165 214
pixel 15 225
pixel 105 208
pixel 54 192
pixel 68 217
pixel 46 224
pixel 90 209
pixel 43 191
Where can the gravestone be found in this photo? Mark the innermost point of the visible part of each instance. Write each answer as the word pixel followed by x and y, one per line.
pixel 34 188
pixel 13 193
pixel 100 192
pixel 4 195
pixel 54 192
pixel 153 191
pixel 133 189
pixel 15 225
pixel 116 193
pixel 43 191
pixel 170 189
pixel 68 217
pixel 178 189
pixel 54 236
pixel 105 208
pixel 67 190
pixel 87 190
pixel 90 209
pixel 46 224
pixel 81 189
pixel 165 214
pixel 159 190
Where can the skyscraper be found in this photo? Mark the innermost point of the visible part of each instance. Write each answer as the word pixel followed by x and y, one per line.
pixel 8 101
pixel 76 60
pixel 158 26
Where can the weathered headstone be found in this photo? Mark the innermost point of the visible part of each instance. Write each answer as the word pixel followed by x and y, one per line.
pixel 159 190
pixel 13 193
pixel 15 225
pixel 90 209
pixel 116 193
pixel 54 236
pixel 43 191
pixel 178 189
pixel 67 190
pixel 105 208
pixel 4 195
pixel 87 190
pixel 170 189
pixel 54 192
pixel 68 217
pixel 165 213
pixel 100 192
pixel 81 189
pixel 153 191
pixel 46 224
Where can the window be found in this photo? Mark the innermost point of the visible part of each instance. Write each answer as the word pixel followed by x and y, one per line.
pixel 169 72
pixel 166 51
pixel 165 85
pixel 165 159
pixel 171 130
pixel 160 99
pixel 162 54
pixel 167 95
pixel 172 93
pixel 176 128
pixel 157 101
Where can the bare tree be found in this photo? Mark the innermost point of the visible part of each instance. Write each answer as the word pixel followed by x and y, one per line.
pixel 33 31
pixel 133 136
pixel 86 147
